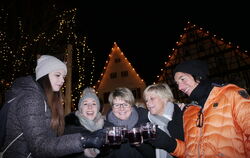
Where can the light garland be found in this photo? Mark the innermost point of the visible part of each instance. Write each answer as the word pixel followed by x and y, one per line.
pixel 180 42
pixel 18 59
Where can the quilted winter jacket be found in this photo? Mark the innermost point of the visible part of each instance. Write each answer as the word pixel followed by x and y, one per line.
pixel 226 126
pixel 31 116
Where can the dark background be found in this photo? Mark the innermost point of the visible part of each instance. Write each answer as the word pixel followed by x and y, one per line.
pixel 146 32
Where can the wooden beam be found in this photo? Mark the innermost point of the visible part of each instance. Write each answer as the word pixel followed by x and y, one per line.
pixel 68 85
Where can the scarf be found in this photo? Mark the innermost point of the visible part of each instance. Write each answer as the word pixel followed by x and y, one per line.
pixel 130 122
pixel 201 92
pixel 91 125
pixel 162 122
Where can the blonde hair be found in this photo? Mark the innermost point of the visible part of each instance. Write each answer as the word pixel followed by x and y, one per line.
pixel 160 89
pixel 122 93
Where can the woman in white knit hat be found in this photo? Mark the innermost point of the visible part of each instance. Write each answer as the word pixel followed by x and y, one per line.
pixel 35 125
pixel 86 119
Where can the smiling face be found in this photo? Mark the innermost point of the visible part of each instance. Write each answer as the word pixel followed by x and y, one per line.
pixel 185 82
pixel 121 109
pixel 155 103
pixel 88 108
pixel 57 79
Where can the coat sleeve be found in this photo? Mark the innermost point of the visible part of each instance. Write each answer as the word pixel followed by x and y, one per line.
pixel 241 114
pixel 34 118
pixel 180 149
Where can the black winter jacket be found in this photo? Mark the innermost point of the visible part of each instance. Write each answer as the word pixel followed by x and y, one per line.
pixel 73 125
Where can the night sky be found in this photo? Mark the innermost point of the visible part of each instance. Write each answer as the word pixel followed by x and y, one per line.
pixel 146 32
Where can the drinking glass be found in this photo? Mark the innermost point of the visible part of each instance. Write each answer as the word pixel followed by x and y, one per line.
pixel 134 136
pixel 124 130
pixel 148 131
pixel 114 136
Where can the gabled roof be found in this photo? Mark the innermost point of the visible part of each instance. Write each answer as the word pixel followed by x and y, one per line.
pixel 185 40
pixel 118 72
pixel 110 67
pixel 226 62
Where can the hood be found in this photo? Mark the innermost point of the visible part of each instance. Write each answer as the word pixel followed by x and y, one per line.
pixel 23 85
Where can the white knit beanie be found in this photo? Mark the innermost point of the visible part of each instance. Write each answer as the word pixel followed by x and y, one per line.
pixel 47 64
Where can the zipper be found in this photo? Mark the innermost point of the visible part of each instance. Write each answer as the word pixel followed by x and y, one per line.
pixel 11 144
pixel 200 136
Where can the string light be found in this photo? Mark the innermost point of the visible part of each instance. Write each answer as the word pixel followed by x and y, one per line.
pixel 115 49
pixel 19 60
pixel 182 38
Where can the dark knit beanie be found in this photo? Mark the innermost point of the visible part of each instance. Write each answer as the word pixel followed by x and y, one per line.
pixel 196 68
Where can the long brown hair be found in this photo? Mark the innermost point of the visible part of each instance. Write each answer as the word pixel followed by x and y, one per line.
pixel 54 100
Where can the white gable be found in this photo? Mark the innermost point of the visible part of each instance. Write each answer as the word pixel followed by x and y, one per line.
pixel 118 72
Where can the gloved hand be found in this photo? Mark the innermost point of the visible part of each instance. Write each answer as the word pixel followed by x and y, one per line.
pixel 95 139
pixel 163 141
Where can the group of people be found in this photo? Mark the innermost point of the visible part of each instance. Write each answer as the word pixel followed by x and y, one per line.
pixel 215 124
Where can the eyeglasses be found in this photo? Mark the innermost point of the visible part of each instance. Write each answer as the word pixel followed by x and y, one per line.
pixel 124 105
pixel 199 121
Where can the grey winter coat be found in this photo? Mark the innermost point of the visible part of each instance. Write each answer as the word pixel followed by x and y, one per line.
pixel 31 116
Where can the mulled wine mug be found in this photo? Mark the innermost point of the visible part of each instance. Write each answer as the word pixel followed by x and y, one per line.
pixel 134 136
pixel 114 136
pixel 124 130
pixel 148 131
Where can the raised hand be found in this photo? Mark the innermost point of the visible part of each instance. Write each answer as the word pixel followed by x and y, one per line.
pixel 163 141
pixel 94 140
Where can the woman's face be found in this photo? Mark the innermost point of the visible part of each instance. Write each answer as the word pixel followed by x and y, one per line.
pixel 121 109
pixel 185 82
pixel 155 103
pixel 57 79
pixel 88 108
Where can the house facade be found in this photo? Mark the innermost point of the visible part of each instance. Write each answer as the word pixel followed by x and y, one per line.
pixel 118 72
pixel 227 63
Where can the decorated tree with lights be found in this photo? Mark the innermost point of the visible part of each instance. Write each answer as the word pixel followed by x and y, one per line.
pixel 83 66
pixel 14 59
pixel 18 56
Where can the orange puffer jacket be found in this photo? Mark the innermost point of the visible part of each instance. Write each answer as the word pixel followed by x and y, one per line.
pixel 226 126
